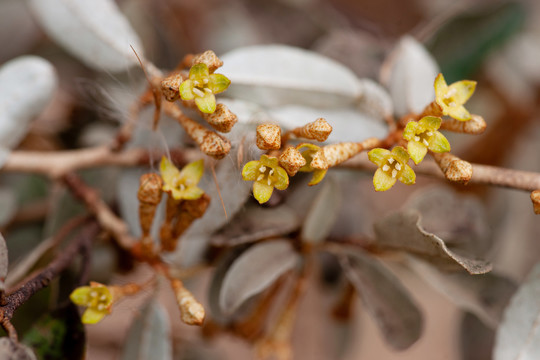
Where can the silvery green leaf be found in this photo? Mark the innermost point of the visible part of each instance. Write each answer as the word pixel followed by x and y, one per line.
pixel 11 350
pixel 409 74
pixel 403 231
pixel 518 336
pixel 254 271
pixel 150 334
pixel 96 32
pixel 375 100
pixel 322 213
pixel 27 84
pixel 384 297
pixel 9 205
pixel 274 75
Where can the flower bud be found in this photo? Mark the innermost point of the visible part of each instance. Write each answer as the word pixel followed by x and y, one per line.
pixel 268 137
pixel 222 119
pixel 318 130
pixel 210 59
pixel 191 311
pixel 291 160
pixel 453 168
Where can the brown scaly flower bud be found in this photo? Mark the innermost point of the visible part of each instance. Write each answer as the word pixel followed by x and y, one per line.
pixel 166 232
pixel 149 196
pixel 433 109
pixel 291 160
pixel 535 197
pixel 210 59
pixel 222 119
pixel 191 311
pixel 268 137
pixel 318 130
pixel 475 126
pixel 453 168
pixel 170 85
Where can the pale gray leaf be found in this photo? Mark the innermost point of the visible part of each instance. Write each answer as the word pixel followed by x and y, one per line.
pixel 3 259
pixel 385 298
pixel 274 75
pixel 150 334
pixel 22 267
pixel 375 100
pixel 409 74
pixel 27 84
pixel 485 295
pixel 255 223
pixel 322 213
pixel 518 337
pixel 11 350
pixel 254 271
pixel 96 32
pixel 9 205
pixel 402 231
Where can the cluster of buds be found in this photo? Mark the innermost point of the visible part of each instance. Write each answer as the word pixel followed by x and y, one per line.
pixel 423 135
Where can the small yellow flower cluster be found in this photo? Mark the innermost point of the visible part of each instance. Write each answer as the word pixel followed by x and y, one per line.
pixel 422 135
pixel 201 87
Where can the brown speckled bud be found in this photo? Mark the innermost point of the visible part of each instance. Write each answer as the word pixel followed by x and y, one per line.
pixel 453 168
pixel 191 311
pixel 318 130
pixel 338 153
pixel 210 59
pixel 170 85
pixel 268 137
pixel 319 160
pixel 475 126
pixel 433 109
pixel 535 197
pixel 222 119
pixel 291 160
pixel 149 196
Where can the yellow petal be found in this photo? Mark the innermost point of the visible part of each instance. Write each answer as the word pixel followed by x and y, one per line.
pixel 318 175
pixel 441 88
pixel 250 171
pixel 410 130
pixel 459 113
pixel 382 181
pixel 462 90
pixel 218 83
pixel 207 103
pixel 192 193
pixel 378 156
pixel 407 175
pixel 400 154
pixel 93 316
pixel 186 90
pixel 262 191
pixel 417 151
pixel 168 171
pixel 192 173
pixel 199 72
pixel 438 143
pixel 430 122
pixel 282 178
pixel 80 295
pixel 269 161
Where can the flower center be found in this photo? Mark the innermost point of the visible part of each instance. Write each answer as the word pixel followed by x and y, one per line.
pixel 392 167
pixel 97 301
pixel 424 137
pixel 266 174
pixel 200 88
pixel 178 183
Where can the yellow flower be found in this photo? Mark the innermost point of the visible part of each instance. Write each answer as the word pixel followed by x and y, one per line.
pixel 267 174
pixel 182 184
pixel 423 135
pixel 452 98
pixel 97 298
pixel 202 86
pixel 392 167
pixel 309 154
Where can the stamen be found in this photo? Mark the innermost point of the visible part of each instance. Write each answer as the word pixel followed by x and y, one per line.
pixel 182 187
pixel 196 83
pixel 385 167
pixel 269 182
pixel 398 166
pixel 425 142
pixel 394 173
pixel 101 307
pixel 262 168
pixel 93 294
pixel 207 90
pixel 103 297
pixel 391 161
pixel 429 133
pixel 260 177
pixel 417 138
pixel 205 81
pixel 271 172
pixel 198 92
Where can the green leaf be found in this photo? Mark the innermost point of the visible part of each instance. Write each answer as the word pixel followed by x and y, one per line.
pixel 462 44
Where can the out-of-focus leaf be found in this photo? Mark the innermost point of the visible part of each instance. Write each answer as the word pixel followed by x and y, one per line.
pixel 518 336
pixel 485 295
pixel 476 338
pixel 385 298
pixel 27 84
pixel 402 231
pixel 58 335
pixel 23 266
pixel 255 223
pixel 375 100
pixel 96 32
pixel 275 75
pixel 409 73
pixel 10 350
pixel 150 334
pixel 254 271
pixel 322 213
pixel 3 259
pixel 8 201
pixel 463 43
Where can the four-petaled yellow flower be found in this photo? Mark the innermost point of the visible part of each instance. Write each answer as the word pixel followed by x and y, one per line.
pixel 202 86
pixel 452 98
pixel 392 166
pixel 267 174
pixel 423 135
pixel 97 298
pixel 309 154
pixel 182 184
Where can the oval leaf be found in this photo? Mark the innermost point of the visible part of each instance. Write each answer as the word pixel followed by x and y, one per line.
pixel 11 350
pixel 518 337
pixel 391 306
pixel 96 32
pixel 9 205
pixel 409 74
pixel 277 74
pixel 322 213
pixel 150 334
pixel 254 271
pixel 402 231
pixel 27 84
pixel 3 259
